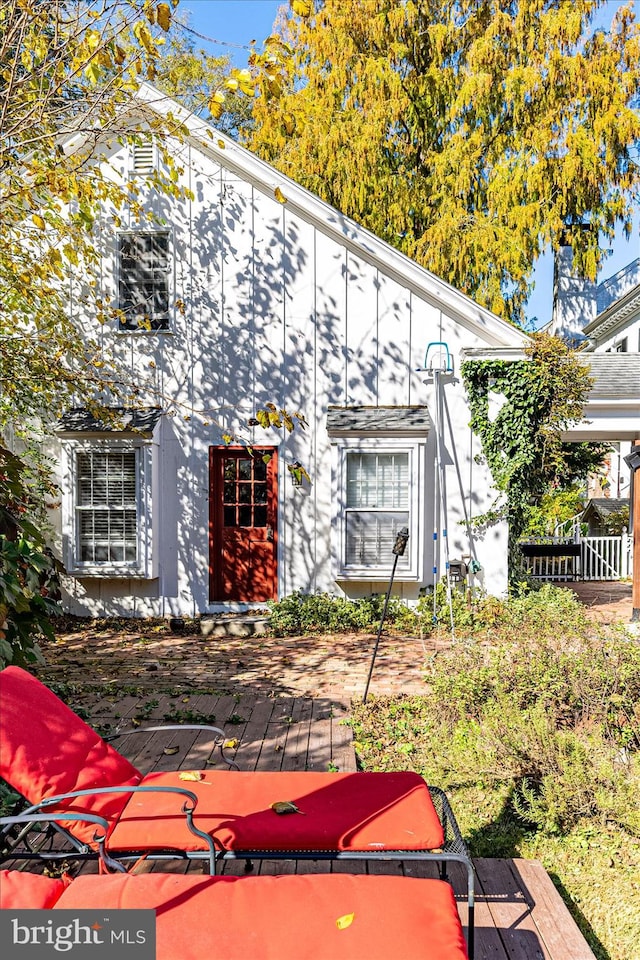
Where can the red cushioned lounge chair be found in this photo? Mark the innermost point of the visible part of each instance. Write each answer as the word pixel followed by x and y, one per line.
pixel 58 763
pixel 334 916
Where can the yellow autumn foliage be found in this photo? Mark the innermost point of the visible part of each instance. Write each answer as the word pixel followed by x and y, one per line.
pixel 471 135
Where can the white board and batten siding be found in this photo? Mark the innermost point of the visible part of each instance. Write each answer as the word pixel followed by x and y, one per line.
pixel 293 304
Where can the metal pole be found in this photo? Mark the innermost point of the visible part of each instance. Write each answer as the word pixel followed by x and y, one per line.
pixel 633 462
pixel 398 550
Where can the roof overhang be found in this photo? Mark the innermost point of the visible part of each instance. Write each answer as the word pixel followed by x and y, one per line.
pixel 612 409
pixel 80 421
pixel 378 421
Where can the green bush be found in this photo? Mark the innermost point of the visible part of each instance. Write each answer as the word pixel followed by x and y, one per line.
pixel 28 588
pixel 300 613
pixel 552 730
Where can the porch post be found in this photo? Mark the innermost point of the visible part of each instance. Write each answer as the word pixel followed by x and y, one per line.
pixel 633 460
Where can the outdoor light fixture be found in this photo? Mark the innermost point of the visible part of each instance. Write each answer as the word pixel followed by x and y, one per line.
pixel 398 551
pixel 632 459
pixel 401 542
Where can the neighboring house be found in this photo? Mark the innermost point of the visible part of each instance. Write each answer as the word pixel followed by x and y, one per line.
pixel 616 326
pixel 252 291
pixel 604 318
pixel 616 329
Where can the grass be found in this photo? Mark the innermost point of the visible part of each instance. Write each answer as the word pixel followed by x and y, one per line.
pixel 532 726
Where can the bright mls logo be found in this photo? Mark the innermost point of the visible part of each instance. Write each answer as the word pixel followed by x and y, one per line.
pixel 80 934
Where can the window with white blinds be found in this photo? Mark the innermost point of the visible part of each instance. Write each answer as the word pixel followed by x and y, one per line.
pixel 144 267
pixel 377 507
pixel 106 507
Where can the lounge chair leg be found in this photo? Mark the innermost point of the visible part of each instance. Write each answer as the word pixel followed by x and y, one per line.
pixel 248 866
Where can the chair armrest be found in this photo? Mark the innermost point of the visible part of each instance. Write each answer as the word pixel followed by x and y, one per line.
pixel 220 740
pixel 187 808
pixel 99 838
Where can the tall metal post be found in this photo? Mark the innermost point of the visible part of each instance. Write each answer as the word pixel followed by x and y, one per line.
pixel 633 461
pixel 398 550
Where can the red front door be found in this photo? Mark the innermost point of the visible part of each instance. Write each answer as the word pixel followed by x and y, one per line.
pixel 243 542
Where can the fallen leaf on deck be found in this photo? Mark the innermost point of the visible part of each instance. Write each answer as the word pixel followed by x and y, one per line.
pixel 169 751
pixel 285 806
pixel 229 744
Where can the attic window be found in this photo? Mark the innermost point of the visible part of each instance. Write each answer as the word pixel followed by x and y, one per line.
pixel 144 270
pixel 143 159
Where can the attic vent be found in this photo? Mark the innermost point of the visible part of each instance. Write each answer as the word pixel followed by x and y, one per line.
pixel 143 157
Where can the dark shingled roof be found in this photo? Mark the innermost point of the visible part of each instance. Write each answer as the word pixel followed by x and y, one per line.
pixel 378 420
pixel 616 375
pixel 604 506
pixel 81 420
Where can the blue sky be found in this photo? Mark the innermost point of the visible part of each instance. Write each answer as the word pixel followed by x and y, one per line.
pixel 234 23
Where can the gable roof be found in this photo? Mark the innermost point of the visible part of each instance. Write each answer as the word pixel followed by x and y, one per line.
pixel 361 242
pixel 603 507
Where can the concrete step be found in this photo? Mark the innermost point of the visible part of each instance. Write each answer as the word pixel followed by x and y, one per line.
pixel 243 625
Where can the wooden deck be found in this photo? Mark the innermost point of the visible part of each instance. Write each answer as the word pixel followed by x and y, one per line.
pixel 519 913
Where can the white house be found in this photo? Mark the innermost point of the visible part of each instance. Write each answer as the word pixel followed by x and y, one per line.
pixel 616 329
pixel 253 291
pixel 605 319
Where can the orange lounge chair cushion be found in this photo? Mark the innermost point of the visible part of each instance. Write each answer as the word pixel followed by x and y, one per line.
pixel 286 918
pixel 339 811
pixel 46 749
pixel 29 891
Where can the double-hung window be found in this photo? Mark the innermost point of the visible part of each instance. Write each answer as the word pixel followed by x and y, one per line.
pixel 107 524
pixel 144 280
pixel 377 506
pixel 379 456
pixel 109 471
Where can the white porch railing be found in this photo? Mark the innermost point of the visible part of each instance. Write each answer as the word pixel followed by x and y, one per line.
pixel 586 558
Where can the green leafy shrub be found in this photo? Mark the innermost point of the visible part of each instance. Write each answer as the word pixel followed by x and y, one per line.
pixel 28 590
pixel 301 613
pixel 551 729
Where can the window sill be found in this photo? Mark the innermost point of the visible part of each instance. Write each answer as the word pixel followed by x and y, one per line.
pixel 107 572
pixel 383 573
pixel 145 333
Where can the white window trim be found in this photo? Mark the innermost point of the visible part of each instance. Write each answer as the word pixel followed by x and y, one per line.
pixel 415 447
pixel 144 566
pixel 171 284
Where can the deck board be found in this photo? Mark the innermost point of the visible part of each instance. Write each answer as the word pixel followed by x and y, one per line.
pixel 561 936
